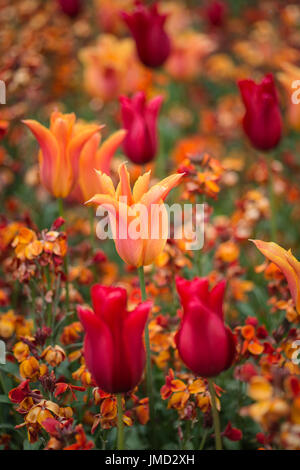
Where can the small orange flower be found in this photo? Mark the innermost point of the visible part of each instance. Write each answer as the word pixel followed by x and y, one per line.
pixel 30 368
pixel 21 351
pixel 53 355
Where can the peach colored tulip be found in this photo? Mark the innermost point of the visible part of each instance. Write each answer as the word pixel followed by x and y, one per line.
pixel 143 207
pixel 60 148
pixel 92 157
pixel 111 68
pixel 287 263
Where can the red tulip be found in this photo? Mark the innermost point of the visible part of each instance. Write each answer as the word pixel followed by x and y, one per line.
pixel 140 120
pixel 262 121
pixel 216 12
pixel 147 28
pixel 113 345
pixel 204 343
pixel 70 7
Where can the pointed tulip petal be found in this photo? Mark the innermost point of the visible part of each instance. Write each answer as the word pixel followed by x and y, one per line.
pixel 286 262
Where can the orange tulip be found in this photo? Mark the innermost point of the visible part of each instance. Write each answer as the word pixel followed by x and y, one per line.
pixel 143 208
pixel 92 157
pixel 60 148
pixel 287 263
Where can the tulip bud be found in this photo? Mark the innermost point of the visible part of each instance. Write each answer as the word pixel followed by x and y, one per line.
pixel 262 121
pixel 70 7
pixel 204 343
pixel 216 12
pixel 147 28
pixel 140 120
pixel 113 345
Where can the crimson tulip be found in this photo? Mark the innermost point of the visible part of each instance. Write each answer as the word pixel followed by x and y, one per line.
pixel 204 343
pixel 147 28
pixel 216 12
pixel 262 121
pixel 70 7
pixel 139 119
pixel 113 345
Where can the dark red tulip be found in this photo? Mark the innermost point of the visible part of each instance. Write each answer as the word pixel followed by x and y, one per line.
pixel 113 344
pixel 262 121
pixel 147 28
pixel 70 7
pixel 216 12
pixel 139 118
pixel 204 343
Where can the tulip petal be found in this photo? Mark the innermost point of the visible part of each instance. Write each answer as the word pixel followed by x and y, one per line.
pixel 98 344
pixel 160 190
pixel 133 339
pixel 48 154
pixel 196 288
pixel 216 298
pixel 286 262
pixel 109 299
pixel 124 190
pixel 77 143
pixel 141 186
pixel 107 150
pixel 105 183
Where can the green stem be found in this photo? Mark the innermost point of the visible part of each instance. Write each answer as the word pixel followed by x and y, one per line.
pixel 203 440
pixel 215 414
pixel 92 236
pixel 60 203
pixel 273 221
pixel 148 352
pixel 120 438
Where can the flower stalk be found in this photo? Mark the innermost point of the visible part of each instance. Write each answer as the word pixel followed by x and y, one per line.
pixel 120 438
pixel 215 413
pixel 148 350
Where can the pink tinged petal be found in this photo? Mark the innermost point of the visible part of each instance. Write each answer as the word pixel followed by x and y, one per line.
pixel 105 184
pixel 98 348
pixel 124 188
pixel 286 262
pixel 161 189
pixel 49 152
